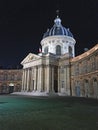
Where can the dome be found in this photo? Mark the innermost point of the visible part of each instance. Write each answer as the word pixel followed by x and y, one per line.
pixel 58 29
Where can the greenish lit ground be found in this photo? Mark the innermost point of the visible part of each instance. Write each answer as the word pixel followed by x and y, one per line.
pixel 52 113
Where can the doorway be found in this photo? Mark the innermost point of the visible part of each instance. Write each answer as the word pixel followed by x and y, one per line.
pixel 11 88
pixel 78 91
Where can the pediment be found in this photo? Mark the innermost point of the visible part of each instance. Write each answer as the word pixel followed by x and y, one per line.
pixel 30 57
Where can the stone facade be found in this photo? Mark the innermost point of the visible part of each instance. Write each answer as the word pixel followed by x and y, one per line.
pixel 84 74
pixel 76 76
pixel 57 70
pixel 49 71
pixel 38 73
pixel 10 81
pixel 65 75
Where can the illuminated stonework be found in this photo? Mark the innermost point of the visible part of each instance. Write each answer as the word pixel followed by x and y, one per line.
pixel 49 71
pixel 55 70
pixel 63 42
pixel 84 74
pixel 10 81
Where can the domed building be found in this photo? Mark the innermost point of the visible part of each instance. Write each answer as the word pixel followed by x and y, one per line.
pixel 44 72
pixel 56 70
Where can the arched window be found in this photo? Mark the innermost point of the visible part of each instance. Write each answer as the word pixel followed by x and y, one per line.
pixel 58 50
pixel 46 50
pixel 70 51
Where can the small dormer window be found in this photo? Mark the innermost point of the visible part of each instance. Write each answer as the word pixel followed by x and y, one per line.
pixel 58 50
pixel 46 50
pixel 70 51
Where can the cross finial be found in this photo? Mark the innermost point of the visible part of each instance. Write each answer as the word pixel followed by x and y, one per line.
pixel 57 12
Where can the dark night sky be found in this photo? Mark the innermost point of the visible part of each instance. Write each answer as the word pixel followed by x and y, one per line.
pixel 23 22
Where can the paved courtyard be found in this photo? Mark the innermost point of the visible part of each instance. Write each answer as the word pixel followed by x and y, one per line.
pixel 48 113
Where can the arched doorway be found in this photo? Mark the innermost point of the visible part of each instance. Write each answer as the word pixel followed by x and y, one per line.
pixel 11 88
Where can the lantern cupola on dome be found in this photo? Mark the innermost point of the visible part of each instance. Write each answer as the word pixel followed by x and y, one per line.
pixel 58 29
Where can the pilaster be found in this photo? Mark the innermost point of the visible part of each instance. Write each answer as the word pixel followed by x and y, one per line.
pixel 23 79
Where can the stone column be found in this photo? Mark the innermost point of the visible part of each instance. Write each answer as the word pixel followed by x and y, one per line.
pixel 62 77
pixel 45 79
pixel 52 79
pixel 31 80
pixel 65 79
pixel 68 80
pixel 38 79
pixel 35 78
pixel 28 79
pixel 59 87
pixel 48 80
pixel 41 78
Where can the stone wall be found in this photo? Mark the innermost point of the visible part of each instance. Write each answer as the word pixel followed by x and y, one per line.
pixel 84 74
pixel 10 81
